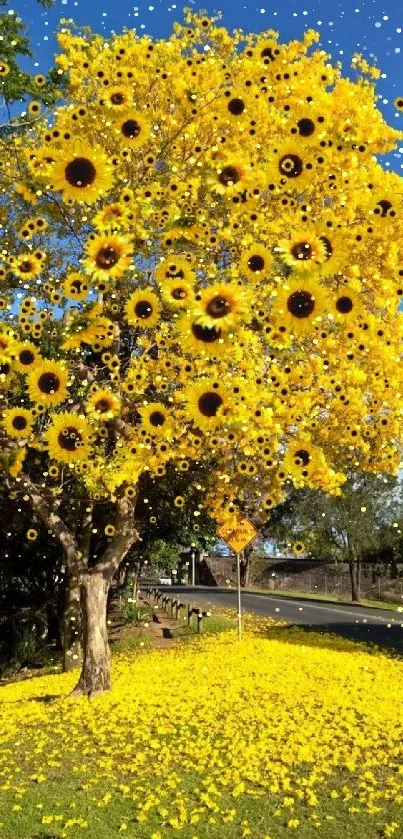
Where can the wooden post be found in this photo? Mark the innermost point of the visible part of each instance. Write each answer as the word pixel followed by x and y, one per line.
pixel 199 622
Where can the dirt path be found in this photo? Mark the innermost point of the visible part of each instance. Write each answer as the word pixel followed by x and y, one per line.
pixel 159 629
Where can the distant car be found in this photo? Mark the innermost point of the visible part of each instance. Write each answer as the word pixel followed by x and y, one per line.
pixel 164 581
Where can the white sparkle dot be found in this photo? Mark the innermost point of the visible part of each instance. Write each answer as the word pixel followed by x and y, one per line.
pixel 378 24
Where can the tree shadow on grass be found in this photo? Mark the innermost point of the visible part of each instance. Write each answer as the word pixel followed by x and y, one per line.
pixel 371 638
pixel 47 699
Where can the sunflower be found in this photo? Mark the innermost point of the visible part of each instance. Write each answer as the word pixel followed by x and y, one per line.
pixel 18 422
pixel 303 251
pixel 34 108
pixel 143 308
pixel 47 383
pixel 32 534
pixel 301 458
pixel 112 217
pixel 76 286
pixel 206 340
pixel 289 166
pixel 68 438
pixel 207 404
pixel 298 548
pixel 132 130
pixel 104 403
pixel 177 293
pixel 256 261
pixel 108 257
pixel 26 266
pixel 117 98
pixel 156 418
pixel 26 193
pixel 174 268
pixel 100 333
pixel 339 247
pixel 81 172
pixel 27 355
pixel 300 304
pixel 4 68
pixel 227 175
pixel 19 456
pixel 346 305
pixel 219 305
pixel 109 530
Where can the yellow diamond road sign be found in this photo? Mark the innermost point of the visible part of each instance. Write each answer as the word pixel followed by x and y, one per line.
pixel 238 533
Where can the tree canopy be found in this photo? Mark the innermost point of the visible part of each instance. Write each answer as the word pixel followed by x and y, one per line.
pixel 209 271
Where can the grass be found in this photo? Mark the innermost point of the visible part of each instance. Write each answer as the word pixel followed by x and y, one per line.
pixel 211 740
pixel 331 598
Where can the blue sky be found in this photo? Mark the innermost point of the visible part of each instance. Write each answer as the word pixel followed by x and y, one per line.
pixel 372 27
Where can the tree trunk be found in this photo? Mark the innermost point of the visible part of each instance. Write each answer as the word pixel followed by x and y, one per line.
pixel 52 623
pixel 96 670
pixel 71 624
pixel 355 593
pixel 358 576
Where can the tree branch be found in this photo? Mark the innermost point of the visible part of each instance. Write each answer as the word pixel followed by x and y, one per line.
pixel 126 534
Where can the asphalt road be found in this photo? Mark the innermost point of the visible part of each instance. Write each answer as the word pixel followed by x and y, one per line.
pixel 377 626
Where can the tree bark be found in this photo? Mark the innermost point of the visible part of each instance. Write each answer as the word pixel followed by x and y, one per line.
pixel 71 624
pixel 358 576
pixel 95 675
pixel 96 669
pixel 52 623
pixel 355 592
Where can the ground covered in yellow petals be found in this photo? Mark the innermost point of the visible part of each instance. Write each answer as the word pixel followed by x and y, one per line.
pixel 285 733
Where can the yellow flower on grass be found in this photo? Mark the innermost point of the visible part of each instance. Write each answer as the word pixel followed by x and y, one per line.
pixel 108 257
pixel 47 383
pixel 68 438
pixel 81 171
pixel 300 304
pixel 18 422
pixel 104 403
pixel 143 309
pixel 219 306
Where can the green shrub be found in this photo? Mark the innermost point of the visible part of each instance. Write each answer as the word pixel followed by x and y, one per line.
pixel 135 613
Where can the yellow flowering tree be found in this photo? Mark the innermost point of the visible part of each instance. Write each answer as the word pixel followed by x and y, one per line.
pixel 210 270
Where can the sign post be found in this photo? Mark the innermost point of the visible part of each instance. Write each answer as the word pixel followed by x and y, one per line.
pixel 238 533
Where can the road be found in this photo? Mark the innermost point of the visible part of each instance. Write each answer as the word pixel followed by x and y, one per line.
pixel 377 626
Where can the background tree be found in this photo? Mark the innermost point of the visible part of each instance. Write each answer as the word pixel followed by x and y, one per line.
pixel 185 291
pixel 362 522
